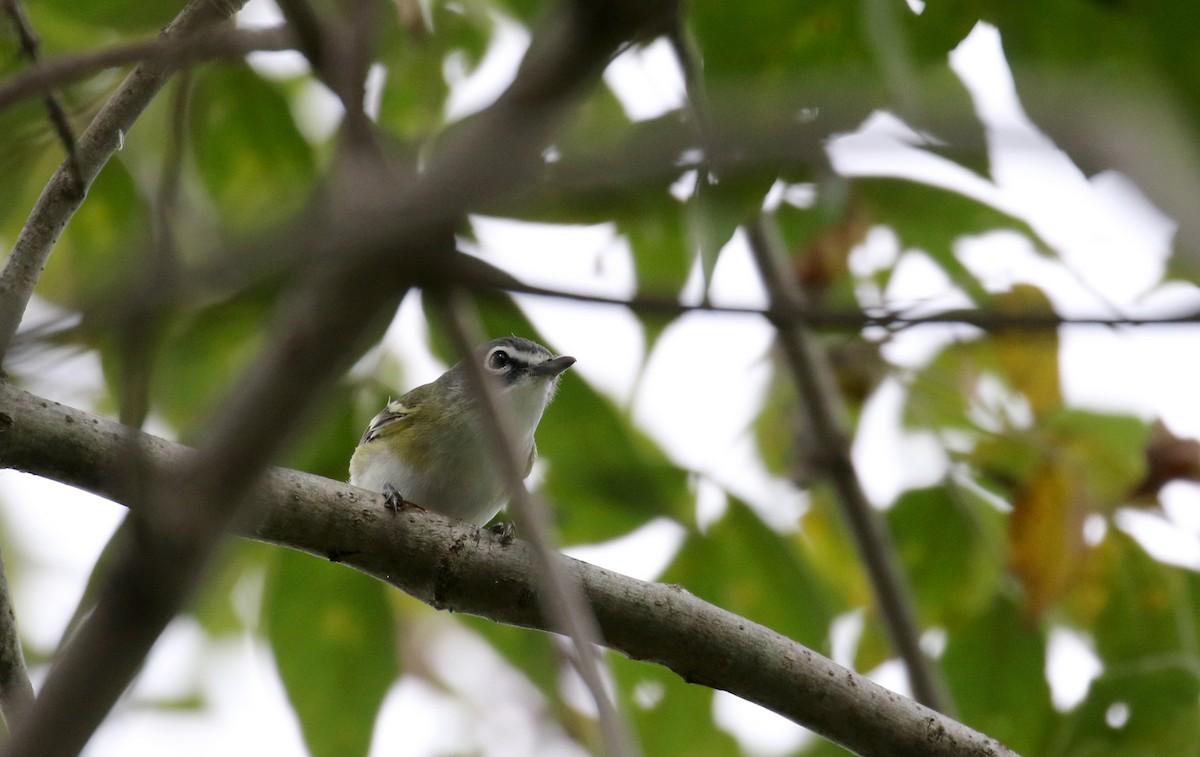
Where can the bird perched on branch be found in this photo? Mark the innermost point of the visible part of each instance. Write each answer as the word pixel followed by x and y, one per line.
pixel 430 448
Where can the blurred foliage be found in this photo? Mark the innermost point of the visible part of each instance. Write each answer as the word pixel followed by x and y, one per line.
pixel 1020 538
pixel 333 636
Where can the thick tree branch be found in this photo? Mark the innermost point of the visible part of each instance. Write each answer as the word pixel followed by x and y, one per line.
pixel 456 567
pixel 824 409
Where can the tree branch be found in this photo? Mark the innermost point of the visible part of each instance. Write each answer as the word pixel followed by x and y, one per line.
pixel 822 404
pixel 16 692
pixel 454 566
pixel 52 73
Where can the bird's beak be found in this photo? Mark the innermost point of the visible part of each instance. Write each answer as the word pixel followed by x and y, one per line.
pixel 553 366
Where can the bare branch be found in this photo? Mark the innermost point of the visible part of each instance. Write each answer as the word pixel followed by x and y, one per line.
pixel 823 406
pixel 457 567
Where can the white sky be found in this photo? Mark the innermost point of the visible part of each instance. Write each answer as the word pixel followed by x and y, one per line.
pixel 1112 245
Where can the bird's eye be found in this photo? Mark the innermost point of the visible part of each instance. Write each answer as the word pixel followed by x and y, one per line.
pixel 498 360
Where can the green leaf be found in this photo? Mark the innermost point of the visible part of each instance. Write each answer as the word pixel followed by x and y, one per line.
pixel 1111 447
pixel 661 253
pixel 745 567
pixel 908 206
pixel 202 353
pixel 718 208
pixel 996 670
pixel 414 93
pixel 670 717
pixel 1146 713
pixel 1148 612
pixel 951 546
pixel 63 21
pixel 251 158
pixel 101 244
pixel 613 483
pixel 215 607
pixel 766 40
pixel 330 439
pixel 942 393
pixel 334 640
pixel 29 155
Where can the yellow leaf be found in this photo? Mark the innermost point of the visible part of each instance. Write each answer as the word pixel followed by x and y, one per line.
pixel 1046 535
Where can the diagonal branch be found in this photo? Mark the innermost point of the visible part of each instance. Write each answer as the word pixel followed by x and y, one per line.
pixel 822 404
pixel 457 567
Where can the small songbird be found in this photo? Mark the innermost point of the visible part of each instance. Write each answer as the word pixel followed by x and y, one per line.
pixel 430 448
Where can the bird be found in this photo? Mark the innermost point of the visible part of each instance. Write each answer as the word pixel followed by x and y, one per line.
pixel 430 447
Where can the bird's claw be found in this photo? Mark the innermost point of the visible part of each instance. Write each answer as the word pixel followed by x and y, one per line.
pixel 505 530
pixel 394 500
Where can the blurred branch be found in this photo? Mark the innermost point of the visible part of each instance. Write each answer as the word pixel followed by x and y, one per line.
pixel 30 47
pixel 457 567
pixel 339 49
pixel 563 605
pixel 64 194
pixel 822 403
pixel 176 50
pixel 16 692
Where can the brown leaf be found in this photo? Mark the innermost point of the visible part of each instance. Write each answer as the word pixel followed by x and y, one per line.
pixel 823 262
pixel 1168 458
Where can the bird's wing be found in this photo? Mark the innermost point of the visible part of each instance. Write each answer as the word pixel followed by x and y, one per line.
pixel 387 421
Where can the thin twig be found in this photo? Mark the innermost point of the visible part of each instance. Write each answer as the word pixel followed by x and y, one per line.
pixel 561 598
pixel 456 567
pixel 52 73
pixel 843 318
pixel 823 406
pixel 30 46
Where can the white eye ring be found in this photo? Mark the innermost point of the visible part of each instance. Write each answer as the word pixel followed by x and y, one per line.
pixel 499 360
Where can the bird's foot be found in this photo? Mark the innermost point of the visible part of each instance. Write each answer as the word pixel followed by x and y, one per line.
pixel 395 501
pixel 505 530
